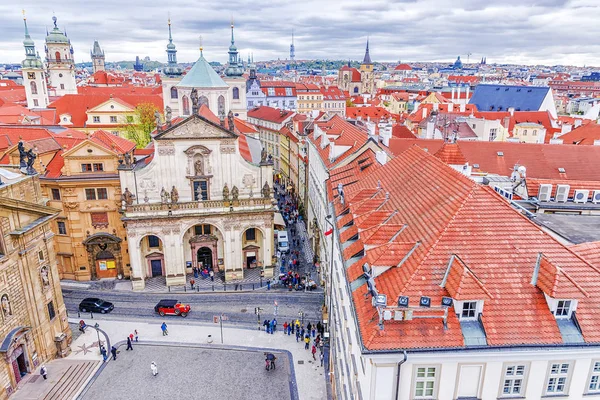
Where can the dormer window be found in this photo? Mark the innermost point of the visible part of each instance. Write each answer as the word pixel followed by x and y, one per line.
pixel 563 308
pixel 469 310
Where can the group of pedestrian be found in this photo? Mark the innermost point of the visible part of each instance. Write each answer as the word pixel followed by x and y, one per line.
pixel 204 273
pixel 270 325
pixel 310 336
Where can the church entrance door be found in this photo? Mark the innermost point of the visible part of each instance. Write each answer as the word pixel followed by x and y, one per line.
pixel 204 256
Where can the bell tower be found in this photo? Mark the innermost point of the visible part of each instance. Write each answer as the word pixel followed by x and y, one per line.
pixel 59 61
pixel 34 76
pixel 97 55
pixel 366 73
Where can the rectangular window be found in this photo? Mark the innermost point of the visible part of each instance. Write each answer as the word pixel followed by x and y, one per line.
pixel 425 382
pixel 86 167
pixel 271 91
pixel 594 386
pixel 55 194
pixel 116 133
pixel 534 133
pixel 153 241
pixel 62 86
pixel 562 308
pixel 524 132
pixel 51 312
pixel 62 227
pixel 98 167
pixel 558 378
pixel 113 119
pixel 36 103
pixel 513 380
pixel 96 119
pixel 41 255
pixel 288 91
pixel 251 234
pixel 469 309
pixel 200 190
pixel 90 194
pixel 202 229
pixel 102 193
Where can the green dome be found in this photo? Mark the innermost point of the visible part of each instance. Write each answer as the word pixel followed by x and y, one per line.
pixel 32 63
pixel 56 36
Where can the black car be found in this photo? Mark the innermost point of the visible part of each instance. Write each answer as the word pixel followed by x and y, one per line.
pixel 95 305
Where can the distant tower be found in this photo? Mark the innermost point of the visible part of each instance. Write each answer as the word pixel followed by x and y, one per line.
pixel 59 60
pixel 34 77
pixel 172 76
pixel 292 50
pixel 172 69
pixel 97 55
pixel 138 66
pixel 366 73
pixel 236 82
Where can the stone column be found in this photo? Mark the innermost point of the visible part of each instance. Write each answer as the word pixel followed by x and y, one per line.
pixel 174 264
pixel 230 256
pixel 138 270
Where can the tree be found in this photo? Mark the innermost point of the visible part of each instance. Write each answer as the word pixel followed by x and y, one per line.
pixel 349 103
pixel 143 123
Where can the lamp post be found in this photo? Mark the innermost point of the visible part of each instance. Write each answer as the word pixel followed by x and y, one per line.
pixel 97 332
pixel 301 314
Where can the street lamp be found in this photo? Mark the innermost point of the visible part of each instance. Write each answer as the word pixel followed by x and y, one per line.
pixel 301 314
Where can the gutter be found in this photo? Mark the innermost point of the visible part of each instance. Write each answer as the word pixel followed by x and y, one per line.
pixel 398 374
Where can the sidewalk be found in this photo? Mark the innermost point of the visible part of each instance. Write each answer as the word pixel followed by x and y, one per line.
pixel 310 376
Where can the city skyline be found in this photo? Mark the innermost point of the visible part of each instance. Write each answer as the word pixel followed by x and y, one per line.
pixel 421 30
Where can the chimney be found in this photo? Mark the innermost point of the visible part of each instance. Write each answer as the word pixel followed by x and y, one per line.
pixel 453 95
pixel 467 96
pixel 458 94
pixel 511 110
pixel 462 106
pixel 436 106
pixel 506 122
pixel 450 107
pixel 430 131
pixel 565 128
pixel 424 112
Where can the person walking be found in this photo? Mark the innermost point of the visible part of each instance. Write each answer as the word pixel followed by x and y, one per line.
pixel 154 368
pixel 136 335
pixel 308 327
pixel 192 281
pixel 321 357
pixel 268 284
pixel 212 275
pixel 103 352
pixel 314 351
pixel 297 334
pixel 306 342
pixel 302 331
pixel 113 351
pixel 289 329
pixel 129 347
pixel 319 327
pixel 44 372
pixel 313 331
pixel 163 327
pixel 285 326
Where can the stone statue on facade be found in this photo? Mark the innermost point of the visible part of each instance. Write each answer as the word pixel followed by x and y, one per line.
pixel 235 193
pixel 263 156
pixel 157 120
pixel 30 160
pixel 174 195
pixel 266 191
pixel 225 193
pixel 164 196
pixel 168 115
pixel 127 197
pixel 230 123
pixel 22 155
pixel 194 98
pixel 199 167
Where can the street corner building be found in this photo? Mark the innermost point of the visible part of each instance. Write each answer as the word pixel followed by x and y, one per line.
pixel 444 289
pixel 197 202
pixel 33 318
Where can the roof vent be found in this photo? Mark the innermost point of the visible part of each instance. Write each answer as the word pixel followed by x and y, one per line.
pixel 500 154
pixel 475 165
pixel 561 170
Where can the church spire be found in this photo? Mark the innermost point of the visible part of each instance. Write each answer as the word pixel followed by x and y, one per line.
pixel 31 59
pixel 367 59
pixel 172 68
pixel 233 69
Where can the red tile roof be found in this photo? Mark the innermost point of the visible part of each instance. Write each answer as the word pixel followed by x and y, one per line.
pixel 585 134
pixel 354 73
pixel 112 142
pixel 533 186
pixel 341 133
pixel 372 113
pixel 450 154
pixel 403 67
pixel 331 93
pixel 270 114
pixel 492 251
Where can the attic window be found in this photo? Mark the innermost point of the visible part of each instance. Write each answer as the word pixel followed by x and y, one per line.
pixel 475 165
pixel 500 154
pixel 561 170
pixel 562 308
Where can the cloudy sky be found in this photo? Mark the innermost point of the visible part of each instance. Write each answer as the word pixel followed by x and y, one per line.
pixel 507 31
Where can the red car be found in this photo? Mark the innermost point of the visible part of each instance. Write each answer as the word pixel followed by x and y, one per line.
pixel 171 307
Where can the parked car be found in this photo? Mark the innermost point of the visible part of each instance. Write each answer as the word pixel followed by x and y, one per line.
pixel 94 304
pixel 171 307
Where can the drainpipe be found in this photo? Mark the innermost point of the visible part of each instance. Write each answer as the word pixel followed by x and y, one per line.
pixel 398 374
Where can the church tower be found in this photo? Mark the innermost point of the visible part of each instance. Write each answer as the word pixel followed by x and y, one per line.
pixel 34 76
pixel 97 55
pixel 59 61
pixel 171 77
pixel 237 84
pixel 366 73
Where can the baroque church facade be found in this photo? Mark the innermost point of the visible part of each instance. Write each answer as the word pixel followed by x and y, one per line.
pixel 219 94
pixel 198 203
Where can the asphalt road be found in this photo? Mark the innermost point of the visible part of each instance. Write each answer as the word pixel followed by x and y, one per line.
pixel 238 307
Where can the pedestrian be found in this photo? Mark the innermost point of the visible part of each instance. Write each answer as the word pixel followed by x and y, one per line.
pixel 82 326
pixel 44 372
pixel 192 283
pixel 314 351
pixel 319 327
pixel 266 325
pixel 313 331
pixel 285 326
pixel 272 327
pixel 163 327
pixel 293 327
pixel 131 337
pixel 154 368
pixel 318 340
pixel 136 335
pixel 103 352
pixel 302 331
pixel 129 347
pixel 289 329
pixel 297 334
pixel 273 358
pixel 268 284
pixel 308 327
pixel 306 342
pixel 212 275
pixel 113 351
pixel 321 356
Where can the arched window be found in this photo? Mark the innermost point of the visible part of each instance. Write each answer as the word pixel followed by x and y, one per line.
pixel 221 102
pixel 173 92
pixel 236 93
pixel 57 55
pixel 203 100
pixel 186 105
pixel 33 87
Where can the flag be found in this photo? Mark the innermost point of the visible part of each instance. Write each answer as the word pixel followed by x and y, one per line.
pixel 329 232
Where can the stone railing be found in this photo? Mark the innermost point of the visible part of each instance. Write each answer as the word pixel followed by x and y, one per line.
pixel 204 206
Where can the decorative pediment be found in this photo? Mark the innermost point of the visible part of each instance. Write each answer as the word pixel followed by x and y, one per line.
pixel 195 127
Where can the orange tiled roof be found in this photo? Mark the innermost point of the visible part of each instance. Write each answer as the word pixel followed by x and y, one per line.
pixel 270 114
pixel 585 134
pixel 449 214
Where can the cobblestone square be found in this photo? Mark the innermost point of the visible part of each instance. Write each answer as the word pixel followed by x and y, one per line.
pixel 191 373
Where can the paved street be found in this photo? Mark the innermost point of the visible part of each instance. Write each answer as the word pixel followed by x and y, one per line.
pixel 188 372
pixel 239 307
